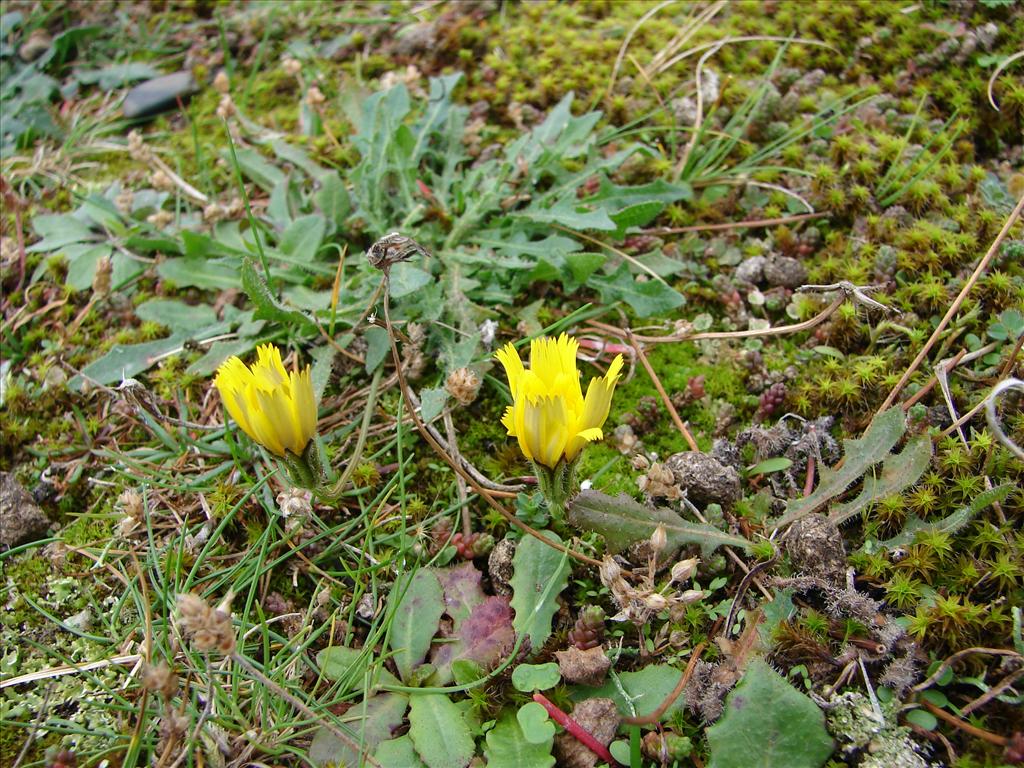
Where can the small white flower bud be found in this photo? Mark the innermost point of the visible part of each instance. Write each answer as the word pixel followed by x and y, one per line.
pixel 684 569
pixel 659 539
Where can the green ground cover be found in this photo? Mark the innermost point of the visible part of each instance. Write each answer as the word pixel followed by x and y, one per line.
pixel 657 180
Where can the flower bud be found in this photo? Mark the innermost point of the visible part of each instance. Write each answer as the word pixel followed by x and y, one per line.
pixel 684 569
pixel 656 602
pixel 690 596
pixel 659 539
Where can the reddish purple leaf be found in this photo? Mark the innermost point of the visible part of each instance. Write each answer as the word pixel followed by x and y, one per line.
pixel 485 637
pixel 462 591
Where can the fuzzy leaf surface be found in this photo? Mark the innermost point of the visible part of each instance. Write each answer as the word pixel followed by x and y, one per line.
pixel 624 521
pixel 644 690
pixel 646 298
pixel 462 591
pixel 768 724
pixel 368 723
pixel 439 732
pixel 899 471
pixel 416 620
pixel 880 437
pixel 398 753
pixel 484 637
pixel 540 573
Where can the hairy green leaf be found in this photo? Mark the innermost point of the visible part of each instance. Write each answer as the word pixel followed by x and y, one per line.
pixel 398 753
pixel 949 524
pixel 881 435
pixel 267 306
pixel 415 620
pixel 647 298
pixel 768 724
pixel 540 573
pixel 623 521
pixel 439 731
pixel 637 693
pixel 368 724
pixel 899 471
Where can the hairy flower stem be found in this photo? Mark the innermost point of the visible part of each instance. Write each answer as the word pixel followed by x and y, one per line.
pixel 557 485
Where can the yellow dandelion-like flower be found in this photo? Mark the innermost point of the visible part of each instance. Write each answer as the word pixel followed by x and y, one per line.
pixel 549 414
pixel 275 408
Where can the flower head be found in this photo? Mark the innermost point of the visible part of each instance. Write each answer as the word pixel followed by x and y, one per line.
pixel 549 415
pixel 276 408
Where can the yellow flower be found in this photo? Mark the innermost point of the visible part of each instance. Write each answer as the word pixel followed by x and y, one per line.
pixel 549 414
pixel 277 409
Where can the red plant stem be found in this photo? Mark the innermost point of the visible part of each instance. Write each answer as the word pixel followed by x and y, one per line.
pixel 809 483
pixel 577 730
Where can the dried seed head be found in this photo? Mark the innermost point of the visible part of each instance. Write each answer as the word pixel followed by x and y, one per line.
pixel 161 181
pixel 641 463
pixel 222 83
pixel 160 219
pixel 124 201
pixel 209 628
pixel 226 108
pixel 193 611
pixel 684 569
pixel 101 279
pixel 291 66
pixel 690 596
pixel 610 572
pixel 130 503
pixel 463 384
pixel 656 602
pixel 137 148
pixel 659 539
pixel 392 248
pixel 314 96
pixel 295 502
pixel 161 679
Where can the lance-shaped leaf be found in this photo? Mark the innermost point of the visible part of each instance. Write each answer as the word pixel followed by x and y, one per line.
pixel 416 620
pixel 899 471
pixel 439 731
pixel 949 524
pixel 624 521
pixel 267 305
pixel 858 455
pixel 540 574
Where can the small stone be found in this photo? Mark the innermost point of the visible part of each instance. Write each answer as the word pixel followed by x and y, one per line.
pixel 785 271
pixel 815 546
pixel 499 566
pixel 587 667
pixel 21 520
pixel 751 270
pixel 158 95
pixel 38 43
pixel 705 479
pixel 599 718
